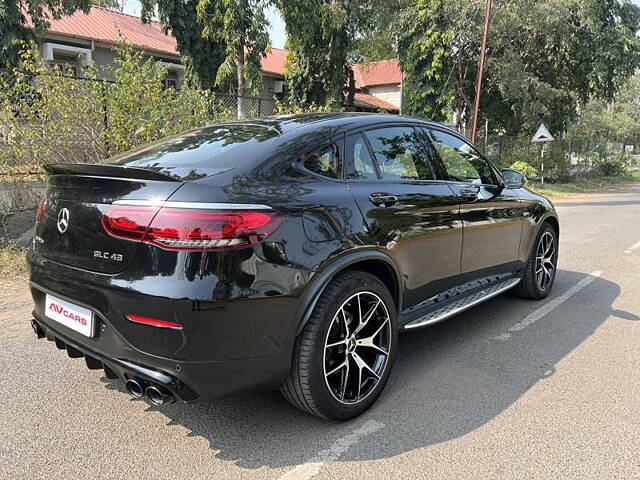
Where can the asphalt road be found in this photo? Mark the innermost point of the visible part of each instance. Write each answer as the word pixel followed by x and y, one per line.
pixel 511 389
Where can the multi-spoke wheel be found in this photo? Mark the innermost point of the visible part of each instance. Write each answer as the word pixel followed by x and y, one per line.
pixel 540 271
pixel 357 347
pixel 344 354
pixel 545 260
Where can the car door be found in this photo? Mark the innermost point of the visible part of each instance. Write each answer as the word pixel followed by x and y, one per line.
pixel 413 216
pixel 491 215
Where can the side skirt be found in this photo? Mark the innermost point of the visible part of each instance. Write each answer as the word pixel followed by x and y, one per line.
pixel 462 304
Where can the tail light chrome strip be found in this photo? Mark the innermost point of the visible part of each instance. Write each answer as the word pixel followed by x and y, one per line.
pixel 193 205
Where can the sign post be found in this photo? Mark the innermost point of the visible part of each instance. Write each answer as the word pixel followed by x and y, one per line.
pixel 542 136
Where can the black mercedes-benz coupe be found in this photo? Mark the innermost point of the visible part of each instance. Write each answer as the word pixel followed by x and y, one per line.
pixel 284 253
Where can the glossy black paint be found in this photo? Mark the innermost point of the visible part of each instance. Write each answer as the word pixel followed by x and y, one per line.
pixel 242 308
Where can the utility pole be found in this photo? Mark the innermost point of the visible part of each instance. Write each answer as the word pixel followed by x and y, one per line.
pixel 476 103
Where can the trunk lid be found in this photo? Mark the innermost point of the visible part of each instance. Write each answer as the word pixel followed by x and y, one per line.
pixel 70 230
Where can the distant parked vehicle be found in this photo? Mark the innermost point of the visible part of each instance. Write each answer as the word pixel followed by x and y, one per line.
pixel 279 253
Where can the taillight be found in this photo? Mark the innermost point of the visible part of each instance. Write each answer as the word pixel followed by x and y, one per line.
pixel 128 221
pixel 154 322
pixel 42 206
pixel 190 229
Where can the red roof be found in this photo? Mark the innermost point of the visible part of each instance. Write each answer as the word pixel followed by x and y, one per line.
pixel 274 61
pixel 384 72
pixel 107 26
pixel 369 101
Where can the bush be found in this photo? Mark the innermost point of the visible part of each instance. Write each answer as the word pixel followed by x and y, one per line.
pixel 612 164
pixel 12 260
pixel 287 108
pixel 529 170
pixel 48 117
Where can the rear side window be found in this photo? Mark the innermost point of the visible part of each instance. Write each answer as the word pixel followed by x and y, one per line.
pixel 324 161
pixel 359 161
pixel 200 152
pixel 400 153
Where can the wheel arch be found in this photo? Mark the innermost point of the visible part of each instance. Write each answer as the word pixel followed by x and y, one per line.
pixel 374 262
pixel 551 219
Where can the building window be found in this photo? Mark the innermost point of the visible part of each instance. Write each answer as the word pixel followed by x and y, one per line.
pixel 67 64
pixel 171 81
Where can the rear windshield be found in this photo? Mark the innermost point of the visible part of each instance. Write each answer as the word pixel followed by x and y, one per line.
pixel 201 152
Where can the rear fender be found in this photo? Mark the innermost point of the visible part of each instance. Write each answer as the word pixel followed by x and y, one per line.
pixel 320 280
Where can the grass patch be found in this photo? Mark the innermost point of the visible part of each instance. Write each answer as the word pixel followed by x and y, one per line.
pixel 586 186
pixel 12 261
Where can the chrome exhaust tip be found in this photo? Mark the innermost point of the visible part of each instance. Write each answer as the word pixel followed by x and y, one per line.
pixel 159 395
pixel 135 388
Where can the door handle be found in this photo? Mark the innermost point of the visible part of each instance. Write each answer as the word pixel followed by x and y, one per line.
pixel 383 199
pixel 469 193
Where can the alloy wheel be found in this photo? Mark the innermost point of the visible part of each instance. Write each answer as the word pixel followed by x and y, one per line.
pixel 545 260
pixel 357 347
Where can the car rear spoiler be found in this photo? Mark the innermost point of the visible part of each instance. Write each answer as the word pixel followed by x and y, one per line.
pixel 102 170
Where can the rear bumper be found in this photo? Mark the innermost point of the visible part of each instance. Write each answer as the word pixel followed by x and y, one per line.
pixel 188 380
pixel 114 367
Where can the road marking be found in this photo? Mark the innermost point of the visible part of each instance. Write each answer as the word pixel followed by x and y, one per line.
pixel 548 307
pixel 313 466
pixel 632 248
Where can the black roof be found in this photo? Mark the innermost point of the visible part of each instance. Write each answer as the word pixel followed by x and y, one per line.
pixel 233 146
pixel 337 120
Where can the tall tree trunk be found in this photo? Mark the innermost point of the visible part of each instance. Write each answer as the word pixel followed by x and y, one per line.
pixel 243 102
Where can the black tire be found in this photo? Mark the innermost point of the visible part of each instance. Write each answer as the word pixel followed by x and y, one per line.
pixel 306 387
pixel 530 286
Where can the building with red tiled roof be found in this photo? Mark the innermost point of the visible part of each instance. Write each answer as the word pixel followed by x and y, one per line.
pixel 381 80
pixel 80 38
pixel 109 27
pixel 368 102
pixel 376 74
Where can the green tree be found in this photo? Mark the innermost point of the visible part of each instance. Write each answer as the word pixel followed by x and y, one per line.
pixel 377 34
pixel 543 61
pixel 617 121
pixel 425 49
pixel 319 37
pixel 202 56
pixel 241 26
pixel 15 25
pixel 110 4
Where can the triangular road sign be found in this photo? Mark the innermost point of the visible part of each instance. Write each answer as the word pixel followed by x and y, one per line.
pixel 542 135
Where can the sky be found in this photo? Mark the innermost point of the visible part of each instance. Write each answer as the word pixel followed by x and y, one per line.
pixel 276 27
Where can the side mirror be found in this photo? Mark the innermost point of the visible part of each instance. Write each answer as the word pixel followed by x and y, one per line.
pixel 513 178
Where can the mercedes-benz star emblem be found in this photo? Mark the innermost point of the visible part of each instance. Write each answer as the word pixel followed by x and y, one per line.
pixel 63 220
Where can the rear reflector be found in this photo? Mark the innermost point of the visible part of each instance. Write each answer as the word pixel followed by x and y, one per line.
pixel 154 322
pixel 190 229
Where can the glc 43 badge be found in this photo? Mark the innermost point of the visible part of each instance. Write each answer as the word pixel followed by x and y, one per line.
pixel 116 257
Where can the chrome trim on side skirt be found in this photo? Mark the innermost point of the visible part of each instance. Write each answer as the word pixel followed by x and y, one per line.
pixel 463 304
pixel 193 205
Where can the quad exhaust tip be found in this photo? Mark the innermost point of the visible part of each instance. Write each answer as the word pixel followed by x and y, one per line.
pixel 156 394
pixel 134 387
pixel 159 395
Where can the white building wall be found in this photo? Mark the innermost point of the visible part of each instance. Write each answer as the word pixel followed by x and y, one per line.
pixel 388 93
pixel 102 55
